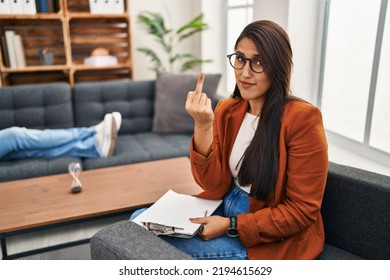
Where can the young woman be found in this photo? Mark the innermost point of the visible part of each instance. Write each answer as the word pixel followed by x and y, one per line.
pixel 89 142
pixel 264 152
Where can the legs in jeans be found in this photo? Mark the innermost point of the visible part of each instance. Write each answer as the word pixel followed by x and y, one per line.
pixel 223 247
pixel 18 142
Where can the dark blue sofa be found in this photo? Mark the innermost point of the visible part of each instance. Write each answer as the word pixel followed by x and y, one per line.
pixel 57 105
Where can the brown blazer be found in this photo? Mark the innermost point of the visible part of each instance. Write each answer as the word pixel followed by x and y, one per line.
pixel 290 225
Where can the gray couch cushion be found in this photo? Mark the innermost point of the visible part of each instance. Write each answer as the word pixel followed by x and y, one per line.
pixel 128 241
pixel 333 253
pixel 356 211
pixel 28 168
pixel 133 99
pixel 36 106
pixel 143 146
pixel 170 115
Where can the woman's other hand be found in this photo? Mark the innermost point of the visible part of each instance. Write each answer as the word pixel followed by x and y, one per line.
pixel 213 226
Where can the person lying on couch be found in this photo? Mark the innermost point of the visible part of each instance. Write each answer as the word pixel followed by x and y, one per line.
pixel 88 142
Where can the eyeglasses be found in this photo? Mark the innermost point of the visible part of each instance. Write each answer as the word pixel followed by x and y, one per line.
pixel 238 61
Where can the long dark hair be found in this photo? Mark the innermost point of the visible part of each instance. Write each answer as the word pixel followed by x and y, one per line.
pixel 260 162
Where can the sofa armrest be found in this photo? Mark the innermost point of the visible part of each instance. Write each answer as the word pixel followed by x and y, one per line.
pixel 356 211
pixel 126 240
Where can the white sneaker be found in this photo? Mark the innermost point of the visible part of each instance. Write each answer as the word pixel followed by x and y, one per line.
pixel 100 134
pixel 118 119
pixel 106 134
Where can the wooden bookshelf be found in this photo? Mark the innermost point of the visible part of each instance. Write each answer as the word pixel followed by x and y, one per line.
pixel 71 33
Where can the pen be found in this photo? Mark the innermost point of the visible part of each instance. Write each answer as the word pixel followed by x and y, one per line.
pixel 202 226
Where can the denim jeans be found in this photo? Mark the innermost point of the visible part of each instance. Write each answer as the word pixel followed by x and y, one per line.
pixel 235 202
pixel 20 142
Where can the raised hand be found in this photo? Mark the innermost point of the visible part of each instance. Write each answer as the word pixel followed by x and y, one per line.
pixel 198 105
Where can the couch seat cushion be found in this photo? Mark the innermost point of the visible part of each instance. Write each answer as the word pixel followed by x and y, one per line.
pixel 334 253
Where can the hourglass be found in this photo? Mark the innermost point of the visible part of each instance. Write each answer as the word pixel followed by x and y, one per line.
pixel 74 169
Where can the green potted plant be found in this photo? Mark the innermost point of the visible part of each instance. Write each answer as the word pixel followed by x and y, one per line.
pixel 169 39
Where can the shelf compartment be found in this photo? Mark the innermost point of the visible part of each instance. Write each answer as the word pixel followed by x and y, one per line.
pixel 39 68
pixel 110 33
pixel 100 74
pixel 110 67
pixel 46 33
pixel 78 6
pixel 37 16
pixel 82 7
pixel 71 32
pixel 24 78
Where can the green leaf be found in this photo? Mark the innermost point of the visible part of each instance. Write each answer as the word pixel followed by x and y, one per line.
pixel 194 26
pixel 153 57
pixel 193 63
pixel 191 24
pixel 154 22
pixel 156 27
pixel 176 57
pixel 168 39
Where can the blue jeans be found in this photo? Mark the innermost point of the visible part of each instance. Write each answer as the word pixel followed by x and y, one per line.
pixel 20 142
pixel 235 202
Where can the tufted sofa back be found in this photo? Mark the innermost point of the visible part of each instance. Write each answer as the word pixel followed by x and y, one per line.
pixel 56 105
pixel 36 106
pixel 133 99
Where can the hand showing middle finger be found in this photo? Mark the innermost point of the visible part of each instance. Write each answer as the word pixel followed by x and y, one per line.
pixel 198 105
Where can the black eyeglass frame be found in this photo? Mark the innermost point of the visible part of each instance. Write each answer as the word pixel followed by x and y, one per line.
pixel 246 59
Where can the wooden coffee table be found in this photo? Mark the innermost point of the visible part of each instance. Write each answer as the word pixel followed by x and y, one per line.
pixel 36 203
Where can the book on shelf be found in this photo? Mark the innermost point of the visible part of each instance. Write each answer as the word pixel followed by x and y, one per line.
pixel 19 51
pixel 170 214
pixel 5 7
pixel 29 7
pixel 4 51
pixel 96 6
pixel 116 6
pixel 25 7
pixel 15 49
pixel 16 6
pixel 46 6
pixel 50 6
pixel 9 37
pixel 106 6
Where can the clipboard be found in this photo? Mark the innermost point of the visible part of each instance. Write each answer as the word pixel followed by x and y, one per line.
pixel 170 214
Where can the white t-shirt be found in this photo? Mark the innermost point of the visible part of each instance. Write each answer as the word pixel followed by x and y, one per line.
pixel 244 138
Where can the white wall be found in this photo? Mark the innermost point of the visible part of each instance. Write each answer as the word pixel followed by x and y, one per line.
pixel 213 40
pixel 304 25
pixel 298 17
pixel 275 10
